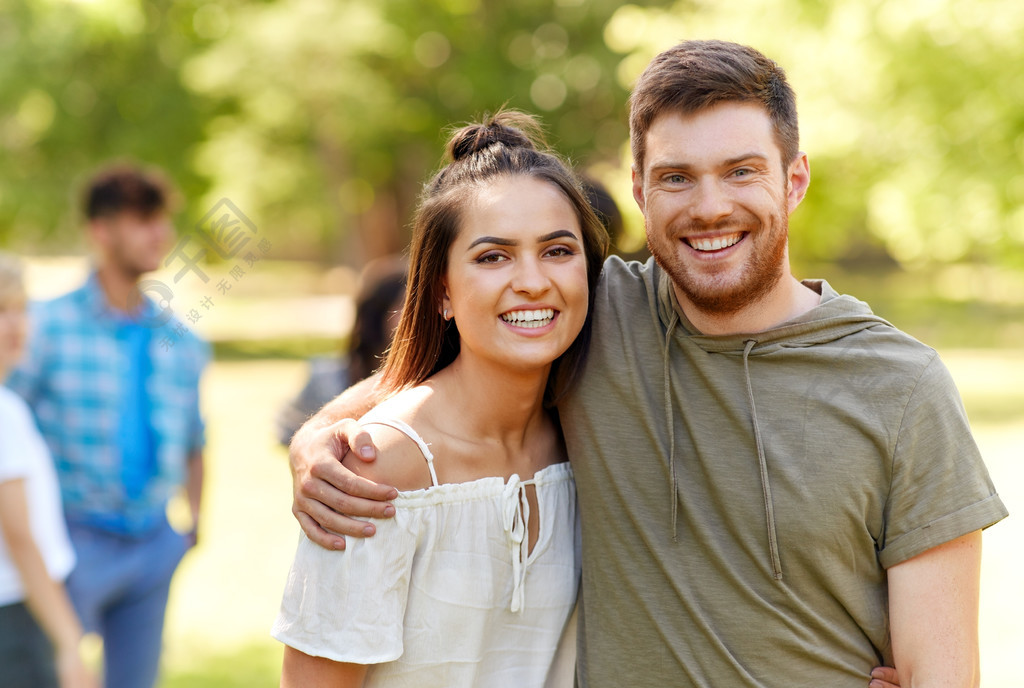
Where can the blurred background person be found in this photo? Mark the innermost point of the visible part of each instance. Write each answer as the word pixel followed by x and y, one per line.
pixel 378 305
pixel 40 634
pixel 607 210
pixel 119 409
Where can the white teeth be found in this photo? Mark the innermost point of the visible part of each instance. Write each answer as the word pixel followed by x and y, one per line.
pixel 715 243
pixel 537 318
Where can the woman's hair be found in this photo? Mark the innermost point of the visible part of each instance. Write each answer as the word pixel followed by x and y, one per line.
pixel 504 145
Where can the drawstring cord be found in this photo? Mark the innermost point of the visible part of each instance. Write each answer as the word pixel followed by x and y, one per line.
pixel 769 509
pixel 670 423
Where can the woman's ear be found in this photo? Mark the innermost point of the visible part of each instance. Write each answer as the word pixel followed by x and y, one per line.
pixel 446 305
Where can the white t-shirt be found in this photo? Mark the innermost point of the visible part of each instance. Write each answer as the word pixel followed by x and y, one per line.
pixel 445 594
pixel 24 455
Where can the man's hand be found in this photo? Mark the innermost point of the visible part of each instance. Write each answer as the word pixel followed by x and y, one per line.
pixel 884 677
pixel 324 489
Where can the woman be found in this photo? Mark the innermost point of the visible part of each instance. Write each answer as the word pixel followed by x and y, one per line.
pixel 474 582
pixel 39 632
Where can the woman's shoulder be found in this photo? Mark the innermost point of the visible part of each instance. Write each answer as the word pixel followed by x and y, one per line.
pixel 397 427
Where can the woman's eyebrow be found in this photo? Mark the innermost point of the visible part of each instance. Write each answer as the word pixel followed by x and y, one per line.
pixel 500 241
pixel 493 240
pixel 557 234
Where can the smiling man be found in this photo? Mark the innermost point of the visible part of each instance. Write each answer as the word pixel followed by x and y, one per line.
pixel 776 485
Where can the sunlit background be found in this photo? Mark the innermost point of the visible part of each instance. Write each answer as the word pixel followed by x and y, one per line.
pixel 319 119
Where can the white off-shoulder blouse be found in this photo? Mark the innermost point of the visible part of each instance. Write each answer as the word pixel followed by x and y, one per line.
pixel 446 593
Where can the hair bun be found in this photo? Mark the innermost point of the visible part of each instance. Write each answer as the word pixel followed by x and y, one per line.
pixel 510 128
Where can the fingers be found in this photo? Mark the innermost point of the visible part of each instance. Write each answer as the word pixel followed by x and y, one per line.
pixel 351 435
pixel 884 677
pixel 317 534
pixel 335 485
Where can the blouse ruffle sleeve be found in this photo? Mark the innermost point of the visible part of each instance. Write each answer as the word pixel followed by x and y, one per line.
pixel 349 606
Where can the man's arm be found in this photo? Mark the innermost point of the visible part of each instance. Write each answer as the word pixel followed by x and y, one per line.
pixel 323 489
pixel 933 610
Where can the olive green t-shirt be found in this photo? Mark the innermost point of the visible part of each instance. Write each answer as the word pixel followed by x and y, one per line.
pixel 741 497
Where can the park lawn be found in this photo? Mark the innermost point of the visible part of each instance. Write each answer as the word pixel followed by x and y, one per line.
pixel 226 593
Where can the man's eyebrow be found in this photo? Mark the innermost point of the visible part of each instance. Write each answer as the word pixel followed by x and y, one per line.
pixel 753 155
pixel 500 241
pixel 670 165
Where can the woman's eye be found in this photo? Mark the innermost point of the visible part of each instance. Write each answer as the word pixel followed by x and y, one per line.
pixel 560 251
pixel 490 258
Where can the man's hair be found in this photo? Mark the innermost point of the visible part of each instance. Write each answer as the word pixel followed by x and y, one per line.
pixel 125 188
pixel 696 75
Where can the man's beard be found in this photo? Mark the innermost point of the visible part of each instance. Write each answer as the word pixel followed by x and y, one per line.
pixel 760 274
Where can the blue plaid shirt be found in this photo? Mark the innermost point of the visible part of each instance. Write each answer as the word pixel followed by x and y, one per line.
pixel 73 378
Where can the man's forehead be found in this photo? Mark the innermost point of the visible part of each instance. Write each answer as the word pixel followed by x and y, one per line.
pixel 723 133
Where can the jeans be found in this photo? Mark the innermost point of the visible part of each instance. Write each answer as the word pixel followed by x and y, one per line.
pixel 119 589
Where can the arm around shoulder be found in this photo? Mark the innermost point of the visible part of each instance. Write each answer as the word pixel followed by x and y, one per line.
pixel 324 489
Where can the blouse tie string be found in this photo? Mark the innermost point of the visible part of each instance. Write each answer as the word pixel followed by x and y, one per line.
pixel 516 515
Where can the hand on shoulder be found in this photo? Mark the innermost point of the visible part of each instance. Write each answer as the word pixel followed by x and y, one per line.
pixel 400 462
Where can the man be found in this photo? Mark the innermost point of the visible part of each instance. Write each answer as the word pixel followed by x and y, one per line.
pixel 776 486
pixel 119 409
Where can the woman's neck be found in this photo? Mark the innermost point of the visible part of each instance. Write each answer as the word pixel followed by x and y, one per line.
pixel 494 403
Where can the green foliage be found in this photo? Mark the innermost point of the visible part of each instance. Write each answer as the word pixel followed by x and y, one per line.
pixel 336 111
pixel 320 120
pixel 81 83
pixel 912 113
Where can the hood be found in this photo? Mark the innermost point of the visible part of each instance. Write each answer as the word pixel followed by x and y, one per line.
pixel 835 317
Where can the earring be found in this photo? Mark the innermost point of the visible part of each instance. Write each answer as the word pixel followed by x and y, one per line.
pixel 446 316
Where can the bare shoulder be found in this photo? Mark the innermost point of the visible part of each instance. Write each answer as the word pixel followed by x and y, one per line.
pixel 400 462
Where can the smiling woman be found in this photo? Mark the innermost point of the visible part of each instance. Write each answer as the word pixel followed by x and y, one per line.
pixel 505 256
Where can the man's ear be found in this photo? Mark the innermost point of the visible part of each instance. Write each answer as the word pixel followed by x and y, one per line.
pixel 798 180
pixel 638 188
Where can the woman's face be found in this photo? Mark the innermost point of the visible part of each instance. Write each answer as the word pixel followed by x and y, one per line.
pixel 13 327
pixel 517 274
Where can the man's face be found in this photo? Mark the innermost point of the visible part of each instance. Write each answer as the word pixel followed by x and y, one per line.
pixel 131 243
pixel 716 200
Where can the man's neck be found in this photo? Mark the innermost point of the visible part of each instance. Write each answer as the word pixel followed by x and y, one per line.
pixel 120 289
pixel 789 299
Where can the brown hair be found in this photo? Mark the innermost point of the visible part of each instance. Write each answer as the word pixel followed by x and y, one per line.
pixel 506 144
pixel 125 188
pixel 696 75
